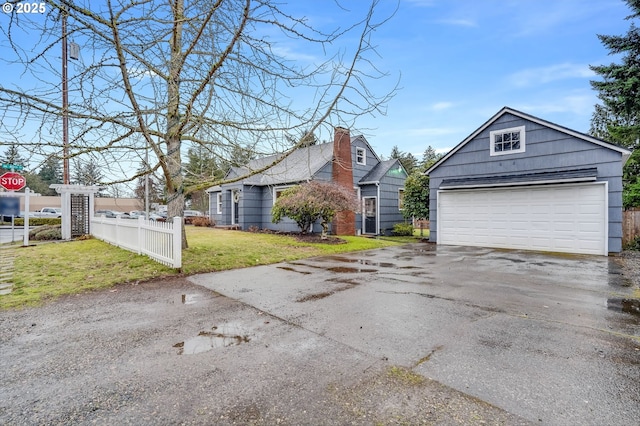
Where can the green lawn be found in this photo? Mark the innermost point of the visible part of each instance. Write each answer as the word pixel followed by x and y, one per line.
pixel 46 271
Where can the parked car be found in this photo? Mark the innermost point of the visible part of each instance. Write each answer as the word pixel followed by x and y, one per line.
pixel 157 217
pixel 113 214
pixel 137 213
pixel 47 212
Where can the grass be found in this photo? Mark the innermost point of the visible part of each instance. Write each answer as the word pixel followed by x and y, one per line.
pixel 46 271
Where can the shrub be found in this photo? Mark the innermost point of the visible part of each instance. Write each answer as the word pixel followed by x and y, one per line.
pixel 310 201
pixel 202 221
pixel 46 233
pixel 38 221
pixel 403 229
pixel 633 245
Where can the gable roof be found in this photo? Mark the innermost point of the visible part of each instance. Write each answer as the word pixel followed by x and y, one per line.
pixel 298 166
pixel 380 170
pixel 506 110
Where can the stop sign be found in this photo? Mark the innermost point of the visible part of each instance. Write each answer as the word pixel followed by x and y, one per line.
pixel 12 181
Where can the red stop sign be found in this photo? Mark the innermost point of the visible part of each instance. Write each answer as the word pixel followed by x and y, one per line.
pixel 12 181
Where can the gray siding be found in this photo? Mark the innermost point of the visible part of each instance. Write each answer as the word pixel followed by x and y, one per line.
pixel 390 212
pixel 256 202
pixel 546 150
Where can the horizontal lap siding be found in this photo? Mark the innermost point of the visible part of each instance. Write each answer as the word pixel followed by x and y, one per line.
pixel 390 213
pixel 546 150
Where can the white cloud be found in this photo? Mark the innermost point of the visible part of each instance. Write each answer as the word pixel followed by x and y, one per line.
pixel 441 106
pixel 576 103
pixel 543 75
pixel 431 131
pixel 459 22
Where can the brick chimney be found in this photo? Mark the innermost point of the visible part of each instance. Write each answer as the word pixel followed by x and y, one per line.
pixel 345 222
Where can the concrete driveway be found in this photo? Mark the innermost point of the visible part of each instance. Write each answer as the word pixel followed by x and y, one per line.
pixel 550 338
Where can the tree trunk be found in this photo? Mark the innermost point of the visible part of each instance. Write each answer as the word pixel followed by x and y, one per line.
pixel 175 180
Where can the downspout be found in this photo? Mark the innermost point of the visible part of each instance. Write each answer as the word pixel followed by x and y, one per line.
pixel 378 208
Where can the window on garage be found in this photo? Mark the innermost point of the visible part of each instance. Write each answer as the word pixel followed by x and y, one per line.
pixel 507 141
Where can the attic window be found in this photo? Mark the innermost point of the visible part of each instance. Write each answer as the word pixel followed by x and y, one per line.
pixel 507 141
pixel 361 157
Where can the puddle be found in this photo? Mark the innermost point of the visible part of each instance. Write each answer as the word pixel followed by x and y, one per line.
pixel 208 340
pixel 368 262
pixel 629 306
pixel 288 268
pixel 349 270
pixel 317 296
pixel 514 260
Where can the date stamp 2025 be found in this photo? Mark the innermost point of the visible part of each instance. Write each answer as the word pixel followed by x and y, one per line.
pixel 24 7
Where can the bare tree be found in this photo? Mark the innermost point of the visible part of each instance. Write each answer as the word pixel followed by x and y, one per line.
pixel 154 74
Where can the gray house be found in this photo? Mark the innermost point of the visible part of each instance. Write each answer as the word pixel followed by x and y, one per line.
pixel 350 161
pixel 520 182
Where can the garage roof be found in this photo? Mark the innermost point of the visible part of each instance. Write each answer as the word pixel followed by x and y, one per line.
pixel 506 110
pixel 577 175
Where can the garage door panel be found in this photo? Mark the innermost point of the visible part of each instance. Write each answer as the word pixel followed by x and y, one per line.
pixel 567 218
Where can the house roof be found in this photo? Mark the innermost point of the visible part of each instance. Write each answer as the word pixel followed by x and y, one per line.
pixel 298 166
pixel 506 110
pixel 380 170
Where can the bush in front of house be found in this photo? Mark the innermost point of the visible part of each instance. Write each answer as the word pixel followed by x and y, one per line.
pixel 403 229
pixel 202 221
pixel 314 200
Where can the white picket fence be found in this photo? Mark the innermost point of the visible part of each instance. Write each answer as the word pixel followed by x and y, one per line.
pixel 161 241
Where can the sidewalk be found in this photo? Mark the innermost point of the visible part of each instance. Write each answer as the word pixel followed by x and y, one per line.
pixel 7 257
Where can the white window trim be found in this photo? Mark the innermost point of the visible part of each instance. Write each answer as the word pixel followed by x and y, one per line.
pixel 520 129
pixel 364 156
pixel 219 202
pixel 277 189
pixel 400 190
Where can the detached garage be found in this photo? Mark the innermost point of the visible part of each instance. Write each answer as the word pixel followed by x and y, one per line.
pixel 519 182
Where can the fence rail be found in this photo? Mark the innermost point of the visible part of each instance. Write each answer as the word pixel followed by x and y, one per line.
pixel 630 225
pixel 161 241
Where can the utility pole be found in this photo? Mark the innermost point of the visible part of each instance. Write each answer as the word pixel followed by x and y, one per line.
pixel 65 102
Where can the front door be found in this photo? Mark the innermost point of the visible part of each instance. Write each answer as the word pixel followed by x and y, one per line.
pixel 235 203
pixel 370 216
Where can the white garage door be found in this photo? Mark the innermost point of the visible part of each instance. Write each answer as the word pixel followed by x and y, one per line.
pixel 570 218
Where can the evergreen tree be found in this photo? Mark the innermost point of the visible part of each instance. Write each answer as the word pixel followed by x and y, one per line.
pixel 429 158
pixel 12 156
pixel 408 161
pixel 618 118
pixel 87 173
pixel 50 173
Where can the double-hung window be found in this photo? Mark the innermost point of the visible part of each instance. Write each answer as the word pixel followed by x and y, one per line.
pixel 361 156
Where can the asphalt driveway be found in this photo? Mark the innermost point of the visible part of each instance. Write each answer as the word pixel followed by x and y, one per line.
pixel 550 338
pixel 403 335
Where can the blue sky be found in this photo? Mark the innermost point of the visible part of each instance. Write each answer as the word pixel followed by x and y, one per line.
pixel 461 61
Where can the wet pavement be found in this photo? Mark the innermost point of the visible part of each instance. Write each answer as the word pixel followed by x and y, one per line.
pixel 553 339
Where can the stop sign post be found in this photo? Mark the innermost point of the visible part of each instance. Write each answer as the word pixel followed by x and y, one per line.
pixel 12 181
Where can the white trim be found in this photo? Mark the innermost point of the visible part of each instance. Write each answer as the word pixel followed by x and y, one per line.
pixel 364 215
pixel 219 203
pixel 364 156
pixel 506 110
pixel 400 208
pixel 520 130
